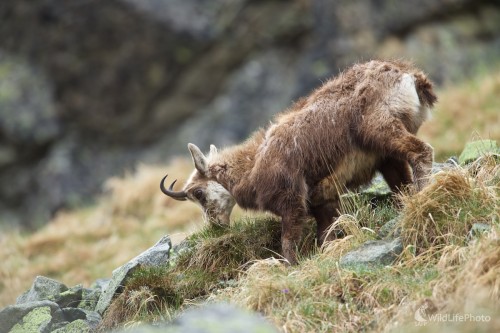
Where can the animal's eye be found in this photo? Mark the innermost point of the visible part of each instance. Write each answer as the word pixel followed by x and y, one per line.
pixel 198 194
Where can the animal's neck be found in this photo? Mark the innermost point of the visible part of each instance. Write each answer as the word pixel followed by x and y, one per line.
pixel 234 165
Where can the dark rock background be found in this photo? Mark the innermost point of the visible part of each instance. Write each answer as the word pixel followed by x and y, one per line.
pixel 89 88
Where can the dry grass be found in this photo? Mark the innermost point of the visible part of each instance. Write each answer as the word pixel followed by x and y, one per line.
pixel 440 266
pixel 443 213
pixel 83 245
pixel 216 256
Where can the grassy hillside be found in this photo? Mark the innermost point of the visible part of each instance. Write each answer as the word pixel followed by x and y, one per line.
pixel 82 245
pixel 442 267
pixel 464 112
pixel 438 265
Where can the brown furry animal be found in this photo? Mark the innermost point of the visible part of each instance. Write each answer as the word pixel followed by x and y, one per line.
pixel 361 121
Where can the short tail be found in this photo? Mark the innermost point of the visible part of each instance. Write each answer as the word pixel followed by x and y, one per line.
pixel 425 92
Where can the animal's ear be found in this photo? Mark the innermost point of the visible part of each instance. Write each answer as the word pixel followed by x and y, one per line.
pixel 213 150
pixel 199 160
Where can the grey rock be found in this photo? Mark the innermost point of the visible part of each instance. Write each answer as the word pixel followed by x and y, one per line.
pixel 100 284
pixel 71 297
pixel 213 318
pixel 475 149
pixel 92 318
pixel 221 318
pixel 43 288
pixel 27 110
pixel 184 246
pixel 478 229
pixel 391 229
pixel 377 187
pixel 90 297
pixel 451 163
pixel 77 326
pixel 72 314
pixel 378 252
pixel 197 18
pixel 157 255
pixel 255 89
pixel 38 316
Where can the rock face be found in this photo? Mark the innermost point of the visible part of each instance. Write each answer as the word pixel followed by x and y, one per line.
pixel 89 88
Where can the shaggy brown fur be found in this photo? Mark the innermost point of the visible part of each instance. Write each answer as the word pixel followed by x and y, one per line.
pixel 362 121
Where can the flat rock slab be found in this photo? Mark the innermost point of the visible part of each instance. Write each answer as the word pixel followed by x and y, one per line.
pixel 371 253
pixel 157 255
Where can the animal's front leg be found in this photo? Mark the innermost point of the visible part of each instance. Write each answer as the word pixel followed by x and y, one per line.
pixel 324 215
pixel 291 234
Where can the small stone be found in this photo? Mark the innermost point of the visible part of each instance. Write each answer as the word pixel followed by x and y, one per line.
pixel 30 317
pixel 92 318
pixel 474 150
pixel 392 229
pixel 379 252
pixel 478 229
pixel 43 288
pixel 90 297
pixel 70 298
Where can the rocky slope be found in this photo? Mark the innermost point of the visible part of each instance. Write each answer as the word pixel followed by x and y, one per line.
pixel 392 258
pixel 89 88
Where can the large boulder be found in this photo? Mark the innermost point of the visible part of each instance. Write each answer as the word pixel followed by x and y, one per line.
pixel 213 318
pixel 157 255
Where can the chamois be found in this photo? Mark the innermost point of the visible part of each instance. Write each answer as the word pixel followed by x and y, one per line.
pixel 362 121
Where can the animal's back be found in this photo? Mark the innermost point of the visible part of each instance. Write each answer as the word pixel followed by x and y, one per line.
pixel 316 137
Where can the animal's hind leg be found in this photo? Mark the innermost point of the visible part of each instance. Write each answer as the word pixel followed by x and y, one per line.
pixel 397 174
pixel 392 139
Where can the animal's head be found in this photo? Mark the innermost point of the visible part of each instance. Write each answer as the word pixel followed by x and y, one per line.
pixel 202 189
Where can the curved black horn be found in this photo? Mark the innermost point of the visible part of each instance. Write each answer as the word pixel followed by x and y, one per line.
pixel 181 195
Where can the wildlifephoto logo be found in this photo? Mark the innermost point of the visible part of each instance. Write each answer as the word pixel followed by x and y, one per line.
pixel 423 317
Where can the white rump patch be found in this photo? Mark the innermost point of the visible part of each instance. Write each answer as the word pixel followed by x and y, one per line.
pixel 408 92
